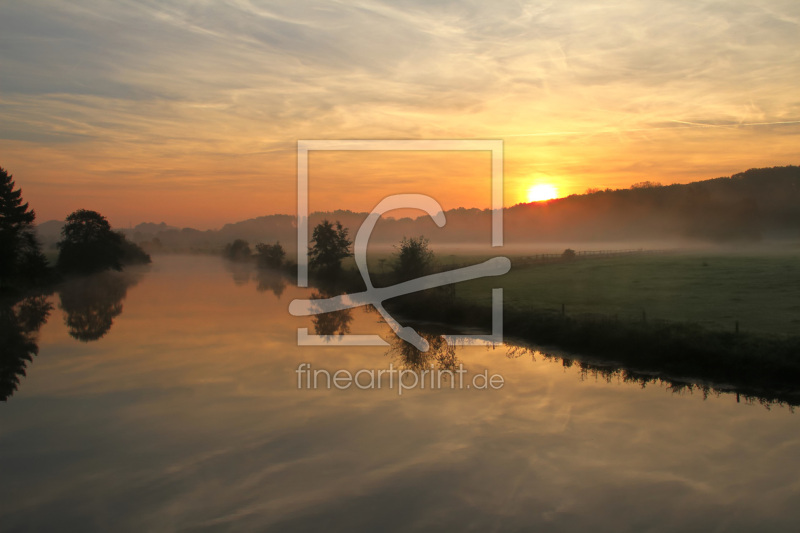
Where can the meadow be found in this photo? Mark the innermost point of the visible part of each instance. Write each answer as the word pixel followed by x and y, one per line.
pixel 714 290
pixel 725 317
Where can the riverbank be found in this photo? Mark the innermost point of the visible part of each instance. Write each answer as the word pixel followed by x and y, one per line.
pixel 759 366
pixel 716 319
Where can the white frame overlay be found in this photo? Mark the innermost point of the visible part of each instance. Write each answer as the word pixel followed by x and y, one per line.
pixel 399 145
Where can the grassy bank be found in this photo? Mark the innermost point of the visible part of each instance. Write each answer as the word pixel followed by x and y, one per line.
pixel 714 291
pixel 687 330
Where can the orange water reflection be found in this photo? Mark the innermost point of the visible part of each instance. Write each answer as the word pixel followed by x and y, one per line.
pixel 186 415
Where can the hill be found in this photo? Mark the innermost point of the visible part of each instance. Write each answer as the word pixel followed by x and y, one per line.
pixel 759 204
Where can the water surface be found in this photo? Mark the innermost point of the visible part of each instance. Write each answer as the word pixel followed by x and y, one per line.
pixel 168 401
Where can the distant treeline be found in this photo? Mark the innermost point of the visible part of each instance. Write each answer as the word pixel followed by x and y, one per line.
pixel 753 205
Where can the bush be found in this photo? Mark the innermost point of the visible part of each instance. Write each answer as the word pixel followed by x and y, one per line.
pixel 238 250
pixel 270 255
pixel 413 259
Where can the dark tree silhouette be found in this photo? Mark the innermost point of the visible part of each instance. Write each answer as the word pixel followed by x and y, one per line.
pixel 88 244
pixel 270 255
pixel 329 246
pixel 19 325
pixel 133 254
pixel 238 250
pixel 413 259
pixel 21 259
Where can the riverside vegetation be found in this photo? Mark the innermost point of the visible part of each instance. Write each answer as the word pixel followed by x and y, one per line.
pixel 723 318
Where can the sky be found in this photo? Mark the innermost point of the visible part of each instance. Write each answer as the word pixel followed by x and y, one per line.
pixel 189 112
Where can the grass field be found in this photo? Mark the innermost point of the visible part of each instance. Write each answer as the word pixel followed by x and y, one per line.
pixel 760 291
pixel 671 315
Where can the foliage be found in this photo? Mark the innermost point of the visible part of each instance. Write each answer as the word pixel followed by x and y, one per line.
pixel 329 246
pixel 21 259
pixel 132 253
pixel 568 254
pixel 646 185
pixel 270 255
pixel 413 259
pixel 238 250
pixel 89 245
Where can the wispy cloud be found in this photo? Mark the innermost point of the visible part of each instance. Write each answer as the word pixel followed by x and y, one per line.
pixel 165 88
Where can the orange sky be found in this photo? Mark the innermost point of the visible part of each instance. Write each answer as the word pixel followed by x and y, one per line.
pixel 189 113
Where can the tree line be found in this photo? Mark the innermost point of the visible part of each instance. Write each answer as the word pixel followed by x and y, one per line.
pixel 330 245
pixel 88 244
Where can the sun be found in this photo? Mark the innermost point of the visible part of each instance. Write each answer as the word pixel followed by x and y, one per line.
pixel 541 192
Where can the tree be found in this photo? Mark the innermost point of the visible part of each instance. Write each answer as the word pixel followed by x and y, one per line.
pixel 133 254
pixel 646 185
pixel 21 258
pixel 413 259
pixel 238 250
pixel 270 255
pixel 329 246
pixel 88 244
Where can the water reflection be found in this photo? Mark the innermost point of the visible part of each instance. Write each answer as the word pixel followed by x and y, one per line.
pixel 19 328
pixel 241 272
pixel 333 323
pixel 152 429
pixel 270 280
pixel 610 373
pixel 92 303
pixel 266 279
pixel 440 355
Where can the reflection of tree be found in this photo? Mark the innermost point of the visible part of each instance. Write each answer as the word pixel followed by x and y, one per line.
pixel 270 280
pixel 333 323
pixel 611 373
pixel 440 355
pixel 240 271
pixel 265 278
pixel 93 302
pixel 19 325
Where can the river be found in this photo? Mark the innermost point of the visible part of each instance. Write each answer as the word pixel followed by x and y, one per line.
pixel 169 399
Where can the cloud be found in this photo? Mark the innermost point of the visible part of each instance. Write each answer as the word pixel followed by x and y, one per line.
pixel 159 84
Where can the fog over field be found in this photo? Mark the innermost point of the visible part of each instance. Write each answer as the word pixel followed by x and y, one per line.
pixel 744 211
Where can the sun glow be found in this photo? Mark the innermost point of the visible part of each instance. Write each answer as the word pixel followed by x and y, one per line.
pixel 542 192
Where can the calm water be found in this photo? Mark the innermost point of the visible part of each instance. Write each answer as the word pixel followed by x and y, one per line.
pixel 186 415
